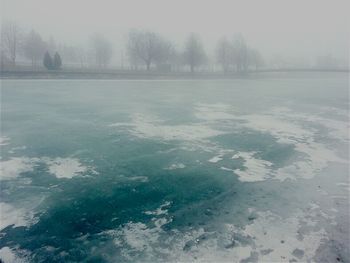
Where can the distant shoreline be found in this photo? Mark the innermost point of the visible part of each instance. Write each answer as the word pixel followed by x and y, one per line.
pixel 138 75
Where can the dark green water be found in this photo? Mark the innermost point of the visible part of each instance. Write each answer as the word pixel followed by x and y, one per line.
pixel 146 171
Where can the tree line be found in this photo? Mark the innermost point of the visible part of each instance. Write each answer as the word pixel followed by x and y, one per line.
pixel 18 47
pixel 144 50
pixel 151 49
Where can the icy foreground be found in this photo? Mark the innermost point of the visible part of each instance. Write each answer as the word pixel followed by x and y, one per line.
pixel 241 170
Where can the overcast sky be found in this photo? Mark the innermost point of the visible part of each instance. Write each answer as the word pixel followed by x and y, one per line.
pixel 298 28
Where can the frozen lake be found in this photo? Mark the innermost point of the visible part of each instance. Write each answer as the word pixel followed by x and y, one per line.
pixel 188 170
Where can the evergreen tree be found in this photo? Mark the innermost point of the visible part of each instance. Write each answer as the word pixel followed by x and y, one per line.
pixel 57 62
pixel 48 63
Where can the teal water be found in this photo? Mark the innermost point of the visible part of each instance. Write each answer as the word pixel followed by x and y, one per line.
pixel 152 171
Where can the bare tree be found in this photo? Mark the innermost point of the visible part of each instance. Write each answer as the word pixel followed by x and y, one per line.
pixel 70 54
pixel 79 56
pixel 5 60
pixel 134 59
pixel 165 51
pixel 102 49
pixel 10 40
pixel 147 47
pixel 225 54
pixel 34 47
pixel 176 59
pixel 240 53
pixel 194 54
pixel 255 59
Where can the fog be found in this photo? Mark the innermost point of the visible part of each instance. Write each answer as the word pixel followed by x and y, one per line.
pixel 174 131
pixel 296 30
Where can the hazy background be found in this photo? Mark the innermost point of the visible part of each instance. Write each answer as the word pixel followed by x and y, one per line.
pixel 298 30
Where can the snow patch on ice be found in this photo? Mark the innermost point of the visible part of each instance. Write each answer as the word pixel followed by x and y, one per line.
pixel 13 167
pixel 175 166
pixel 255 169
pixel 15 149
pixel 215 159
pixel 282 123
pixel 144 126
pixel 4 140
pixel 9 215
pixel 281 237
pixel 338 129
pixel 160 210
pixel 267 238
pixel 318 158
pixel 60 167
pixel 9 256
pixel 287 126
pixel 65 167
pixel 136 237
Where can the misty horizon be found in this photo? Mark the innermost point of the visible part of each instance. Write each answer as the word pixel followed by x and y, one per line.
pixel 267 27
pixel 174 131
